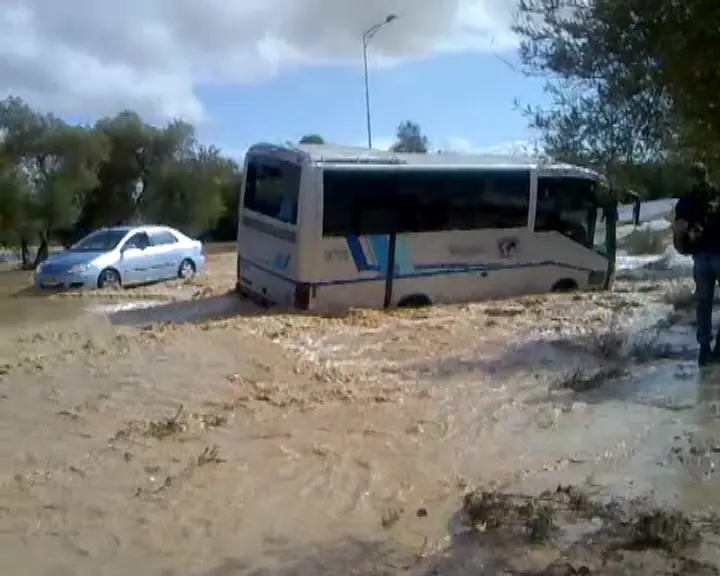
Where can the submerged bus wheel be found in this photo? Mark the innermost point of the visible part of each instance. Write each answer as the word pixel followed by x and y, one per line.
pixel 415 301
pixel 565 285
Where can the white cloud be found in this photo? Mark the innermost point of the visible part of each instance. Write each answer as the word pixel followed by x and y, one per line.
pixel 511 147
pixel 97 56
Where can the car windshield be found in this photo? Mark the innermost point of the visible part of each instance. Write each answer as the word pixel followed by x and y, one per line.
pixel 102 241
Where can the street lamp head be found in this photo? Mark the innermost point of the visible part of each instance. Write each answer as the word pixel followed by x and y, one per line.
pixel 390 18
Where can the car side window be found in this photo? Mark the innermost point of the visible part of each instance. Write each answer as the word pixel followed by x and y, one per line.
pixel 139 240
pixel 163 238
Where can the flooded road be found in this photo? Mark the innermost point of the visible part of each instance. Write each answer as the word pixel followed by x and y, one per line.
pixel 206 436
pixel 19 304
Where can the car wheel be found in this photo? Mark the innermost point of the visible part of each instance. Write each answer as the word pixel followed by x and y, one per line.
pixel 109 278
pixel 186 270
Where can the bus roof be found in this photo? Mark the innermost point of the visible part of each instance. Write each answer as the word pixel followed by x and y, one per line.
pixel 341 156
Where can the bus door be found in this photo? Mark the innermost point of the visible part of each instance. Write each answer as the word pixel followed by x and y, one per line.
pixel 381 234
pixel 380 219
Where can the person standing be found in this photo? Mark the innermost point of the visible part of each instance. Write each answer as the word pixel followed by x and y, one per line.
pixel 696 232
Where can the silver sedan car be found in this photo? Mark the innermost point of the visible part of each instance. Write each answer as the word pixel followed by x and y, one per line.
pixel 123 256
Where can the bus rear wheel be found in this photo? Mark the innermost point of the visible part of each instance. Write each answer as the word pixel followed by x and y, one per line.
pixel 415 301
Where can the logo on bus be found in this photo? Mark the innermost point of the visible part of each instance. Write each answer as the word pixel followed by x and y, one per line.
pixel 507 247
pixel 337 255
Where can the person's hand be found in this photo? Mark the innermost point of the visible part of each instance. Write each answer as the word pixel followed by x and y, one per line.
pixel 680 235
pixel 695 232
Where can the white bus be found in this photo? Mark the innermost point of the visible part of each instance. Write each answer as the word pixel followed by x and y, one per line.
pixel 324 228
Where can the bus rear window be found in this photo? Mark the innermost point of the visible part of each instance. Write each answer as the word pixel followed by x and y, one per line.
pixel 272 188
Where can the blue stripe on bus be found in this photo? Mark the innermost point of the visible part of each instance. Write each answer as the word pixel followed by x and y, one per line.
pixel 438 269
pixel 380 244
pixel 370 253
pixel 358 255
pixel 376 257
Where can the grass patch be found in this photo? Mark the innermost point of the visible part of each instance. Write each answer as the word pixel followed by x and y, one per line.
pixel 209 456
pixel 646 241
pixel 613 536
pixel 173 425
pixel 618 349
pixel 680 295
pixel 634 525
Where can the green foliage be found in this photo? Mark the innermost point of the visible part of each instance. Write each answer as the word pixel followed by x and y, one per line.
pixel 199 181
pixel 312 139
pixel 410 139
pixel 60 180
pixel 49 169
pixel 14 197
pixel 632 84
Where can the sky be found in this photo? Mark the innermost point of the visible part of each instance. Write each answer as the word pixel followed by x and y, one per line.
pixel 245 71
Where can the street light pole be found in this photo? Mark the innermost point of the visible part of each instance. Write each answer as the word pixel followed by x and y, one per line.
pixel 367 92
pixel 366 37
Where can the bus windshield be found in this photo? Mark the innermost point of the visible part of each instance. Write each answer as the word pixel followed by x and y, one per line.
pixel 606 229
pixel 568 205
pixel 272 188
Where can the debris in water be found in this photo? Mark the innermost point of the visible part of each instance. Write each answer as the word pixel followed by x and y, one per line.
pixel 540 517
pixel 670 531
pixel 166 427
pixel 210 455
pixel 179 422
pixel 580 381
pixel 391 516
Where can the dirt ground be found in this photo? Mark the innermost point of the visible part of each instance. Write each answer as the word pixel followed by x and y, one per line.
pixel 206 436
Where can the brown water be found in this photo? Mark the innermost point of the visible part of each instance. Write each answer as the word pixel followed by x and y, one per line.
pixel 295 437
pixel 19 304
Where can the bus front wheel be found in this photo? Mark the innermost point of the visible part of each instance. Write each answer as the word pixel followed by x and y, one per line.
pixel 565 285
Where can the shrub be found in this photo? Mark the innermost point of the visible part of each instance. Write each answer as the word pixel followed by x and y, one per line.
pixel 646 241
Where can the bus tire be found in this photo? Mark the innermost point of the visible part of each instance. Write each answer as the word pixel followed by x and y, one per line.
pixel 415 301
pixel 565 285
pixel 245 294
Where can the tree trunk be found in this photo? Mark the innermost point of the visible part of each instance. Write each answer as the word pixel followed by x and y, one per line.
pixel 43 251
pixel 27 263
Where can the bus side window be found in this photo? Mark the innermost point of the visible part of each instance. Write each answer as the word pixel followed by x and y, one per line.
pixel 380 208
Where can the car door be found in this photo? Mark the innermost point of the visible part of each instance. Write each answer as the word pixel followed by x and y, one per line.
pixel 165 248
pixel 135 262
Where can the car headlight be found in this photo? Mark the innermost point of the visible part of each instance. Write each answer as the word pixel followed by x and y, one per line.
pixel 39 268
pixel 79 268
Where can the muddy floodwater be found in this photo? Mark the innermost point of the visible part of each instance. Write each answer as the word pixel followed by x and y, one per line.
pixel 177 430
